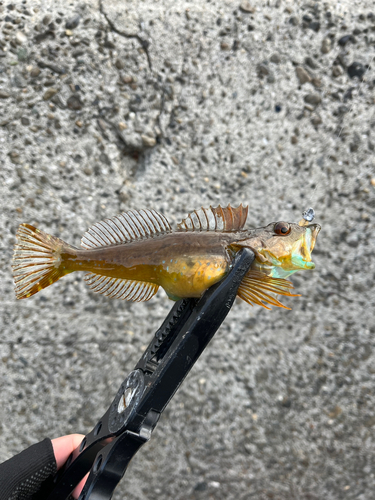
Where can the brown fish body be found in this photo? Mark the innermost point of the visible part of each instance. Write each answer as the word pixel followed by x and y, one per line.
pixel 184 264
pixel 130 255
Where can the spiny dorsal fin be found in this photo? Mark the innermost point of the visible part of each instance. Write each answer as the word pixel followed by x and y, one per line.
pixel 137 291
pixel 256 287
pixel 215 219
pixel 126 227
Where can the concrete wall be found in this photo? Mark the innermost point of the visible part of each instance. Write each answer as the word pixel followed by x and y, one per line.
pixel 174 105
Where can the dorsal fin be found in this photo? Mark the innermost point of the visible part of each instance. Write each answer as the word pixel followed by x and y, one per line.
pixel 215 219
pixel 124 228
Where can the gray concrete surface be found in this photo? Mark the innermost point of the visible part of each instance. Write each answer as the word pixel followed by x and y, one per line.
pixel 173 105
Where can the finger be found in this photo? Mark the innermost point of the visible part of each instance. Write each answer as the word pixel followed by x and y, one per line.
pixel 63 447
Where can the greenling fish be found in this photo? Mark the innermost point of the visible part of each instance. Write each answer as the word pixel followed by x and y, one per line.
pixel 130 255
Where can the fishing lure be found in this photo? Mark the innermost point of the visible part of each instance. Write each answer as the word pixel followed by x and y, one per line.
pixel 132 254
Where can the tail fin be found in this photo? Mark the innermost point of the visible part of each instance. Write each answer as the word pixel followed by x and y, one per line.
pixel 36 261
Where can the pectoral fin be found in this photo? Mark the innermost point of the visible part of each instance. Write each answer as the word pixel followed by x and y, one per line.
pixel 257 287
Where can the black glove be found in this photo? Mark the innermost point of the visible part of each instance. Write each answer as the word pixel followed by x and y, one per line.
pixel 24 476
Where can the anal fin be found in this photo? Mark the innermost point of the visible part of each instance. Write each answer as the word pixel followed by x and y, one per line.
pixel 257 287
pixel 116 288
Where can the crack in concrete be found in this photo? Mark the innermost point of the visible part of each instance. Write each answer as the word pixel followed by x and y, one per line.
pixel 143 43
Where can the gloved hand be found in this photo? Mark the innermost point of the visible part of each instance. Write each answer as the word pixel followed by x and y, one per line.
pixel 26 475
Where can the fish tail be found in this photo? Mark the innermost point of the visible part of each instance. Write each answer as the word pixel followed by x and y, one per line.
pixel 36 260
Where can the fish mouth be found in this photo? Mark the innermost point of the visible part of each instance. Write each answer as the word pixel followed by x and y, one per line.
pixel 315 228
pixel 301 254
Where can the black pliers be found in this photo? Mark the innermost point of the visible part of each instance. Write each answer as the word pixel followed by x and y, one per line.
pixel 129 421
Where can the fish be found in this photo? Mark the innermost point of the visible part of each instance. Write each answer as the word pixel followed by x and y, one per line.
pixel 131 255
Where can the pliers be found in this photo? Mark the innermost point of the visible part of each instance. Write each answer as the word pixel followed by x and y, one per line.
pixel 132 416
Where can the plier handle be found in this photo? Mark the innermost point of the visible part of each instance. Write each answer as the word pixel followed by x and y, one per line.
pixel 129 421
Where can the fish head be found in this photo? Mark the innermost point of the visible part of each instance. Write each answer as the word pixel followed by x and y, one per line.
pixel 282 248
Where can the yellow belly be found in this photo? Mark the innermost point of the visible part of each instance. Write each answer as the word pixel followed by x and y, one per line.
pixel 188 277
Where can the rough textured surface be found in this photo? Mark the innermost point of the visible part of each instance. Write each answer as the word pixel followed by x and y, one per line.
pixel 174 105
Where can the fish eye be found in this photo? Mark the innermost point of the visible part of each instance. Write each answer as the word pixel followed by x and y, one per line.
pixel 282 228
